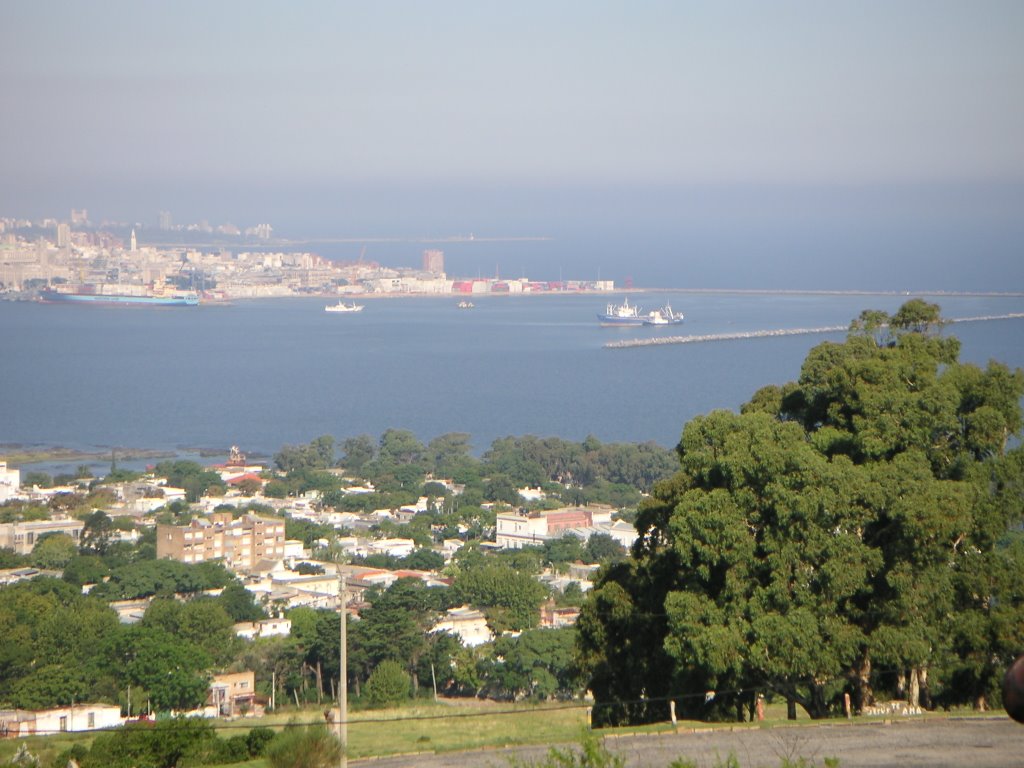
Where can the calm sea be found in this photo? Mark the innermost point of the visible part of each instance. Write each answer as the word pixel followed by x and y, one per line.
pixel 262 374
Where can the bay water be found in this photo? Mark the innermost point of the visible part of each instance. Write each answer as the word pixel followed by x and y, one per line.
pixel 264 373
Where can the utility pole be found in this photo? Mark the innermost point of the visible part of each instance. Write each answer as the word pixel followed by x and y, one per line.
pixel 343 678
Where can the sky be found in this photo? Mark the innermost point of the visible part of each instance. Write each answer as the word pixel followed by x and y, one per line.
pixel 695 143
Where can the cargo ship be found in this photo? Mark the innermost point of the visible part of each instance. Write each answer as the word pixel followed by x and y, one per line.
pixel 156 295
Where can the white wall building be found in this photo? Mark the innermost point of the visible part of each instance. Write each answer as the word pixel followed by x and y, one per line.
pixel 80 717
pixel 10 482
pixel 22 536
pixel 468 624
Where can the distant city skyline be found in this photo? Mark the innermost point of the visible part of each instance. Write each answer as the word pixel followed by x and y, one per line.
pixel 678 142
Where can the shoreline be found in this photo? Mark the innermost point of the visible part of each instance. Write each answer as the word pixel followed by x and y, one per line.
pixel 634 290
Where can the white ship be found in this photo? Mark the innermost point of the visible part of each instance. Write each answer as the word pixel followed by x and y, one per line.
pixel 341 306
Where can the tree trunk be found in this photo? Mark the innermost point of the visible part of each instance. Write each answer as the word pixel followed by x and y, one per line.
pixel 926 698
pixel 790 709
pixel 818 708
pixel 980 704
pixel 863 696
pixel 319 683
pixel 739 708
pixel 914 689
pixel 901 685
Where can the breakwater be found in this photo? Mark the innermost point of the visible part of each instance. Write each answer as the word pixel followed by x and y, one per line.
pixel 659 340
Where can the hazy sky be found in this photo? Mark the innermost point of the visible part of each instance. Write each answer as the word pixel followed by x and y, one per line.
pixel 279 111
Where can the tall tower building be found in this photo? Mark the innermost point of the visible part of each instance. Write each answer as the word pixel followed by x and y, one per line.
pixel 135 243
pixel 433 262
pixel 165 220
pixel 63 235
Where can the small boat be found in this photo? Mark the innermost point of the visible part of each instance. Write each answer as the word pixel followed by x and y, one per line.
pixel 341 306
pixel 621 314
pixel 663 316
pixel 465 304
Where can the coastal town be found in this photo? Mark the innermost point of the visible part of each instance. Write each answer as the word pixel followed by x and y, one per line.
pixel 307 536
pixel 53 257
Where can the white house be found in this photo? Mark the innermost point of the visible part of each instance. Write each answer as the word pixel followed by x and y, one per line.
pixel 73 719
pixel 468 624
pixel 252 630
pixel 393 547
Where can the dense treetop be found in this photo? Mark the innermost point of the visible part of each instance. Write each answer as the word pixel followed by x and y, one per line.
pixel 859 516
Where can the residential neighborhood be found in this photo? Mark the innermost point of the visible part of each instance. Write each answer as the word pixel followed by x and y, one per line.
pixel 284 546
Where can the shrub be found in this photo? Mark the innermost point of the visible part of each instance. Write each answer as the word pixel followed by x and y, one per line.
pixel 303 747
pixel 388 684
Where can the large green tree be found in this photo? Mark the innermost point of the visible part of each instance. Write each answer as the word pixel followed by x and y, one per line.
pixel 846 521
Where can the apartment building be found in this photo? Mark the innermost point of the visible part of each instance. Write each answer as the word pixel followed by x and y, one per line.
pixel 240 543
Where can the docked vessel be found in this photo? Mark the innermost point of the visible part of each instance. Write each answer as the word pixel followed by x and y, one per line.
pixel 663 316
pixel 157 295
pixel 341 306
pixel 621 314
pixel 465 304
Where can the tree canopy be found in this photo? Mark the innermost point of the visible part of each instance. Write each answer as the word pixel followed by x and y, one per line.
pixel 855 519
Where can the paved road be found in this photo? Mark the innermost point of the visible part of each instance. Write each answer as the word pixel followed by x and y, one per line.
pixel 951 743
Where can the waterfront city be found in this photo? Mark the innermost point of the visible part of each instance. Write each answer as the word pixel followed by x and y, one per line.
pixel 219 263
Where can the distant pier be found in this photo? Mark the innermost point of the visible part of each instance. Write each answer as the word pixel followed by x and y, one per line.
pixel 659 340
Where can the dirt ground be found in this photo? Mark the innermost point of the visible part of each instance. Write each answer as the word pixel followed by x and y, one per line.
pixel 974 742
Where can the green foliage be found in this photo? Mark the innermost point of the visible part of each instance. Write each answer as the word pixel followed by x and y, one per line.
pixel 303 747
pixel 318 454
pixel 85 569
pixel 592 753
pixel 848 518
pixel 54 551
pixel 202 623
pixel 164 744
pixel 97 534
pixel 388 684
pixel 394 627
pixel 193 477
pixel 57 645
pixel 358 452
pixel 538 664
pixel 170 668
pixel 510 598
pixel 162 577
pixel 307 531
pixel 240 604
pixel 11 559
pixel 450 456
pixel 602 548
pixel 41 479
pixel 257 739
pixel 532 461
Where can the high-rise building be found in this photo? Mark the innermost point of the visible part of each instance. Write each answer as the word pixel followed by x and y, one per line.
pixel 135 243
pixel 63 235
pixel 165 220
pixel 433 261
pixel 79 217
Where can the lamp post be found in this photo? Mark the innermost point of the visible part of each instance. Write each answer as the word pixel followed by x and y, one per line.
pixel 343 677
